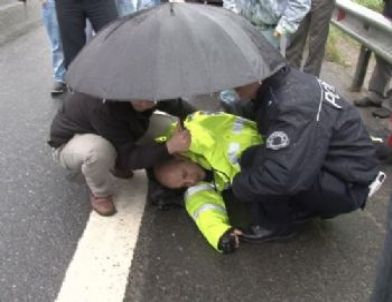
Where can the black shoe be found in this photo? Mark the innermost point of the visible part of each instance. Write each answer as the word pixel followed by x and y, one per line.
pixel 382 113
pixel 302 217
pixel 366 102
pixel 258 234
pixel 58 88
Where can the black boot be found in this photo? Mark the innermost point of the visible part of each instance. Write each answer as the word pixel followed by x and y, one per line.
pixel 260 234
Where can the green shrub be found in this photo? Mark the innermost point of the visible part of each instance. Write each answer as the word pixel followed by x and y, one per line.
pixel 376 5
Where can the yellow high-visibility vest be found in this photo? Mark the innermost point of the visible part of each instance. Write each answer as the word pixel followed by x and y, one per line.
pixel 218 140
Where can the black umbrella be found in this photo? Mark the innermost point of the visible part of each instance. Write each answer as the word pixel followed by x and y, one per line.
pixel 173 50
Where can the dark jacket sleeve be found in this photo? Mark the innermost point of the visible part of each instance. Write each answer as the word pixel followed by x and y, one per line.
pixel 288 161
pixel 121 133
pixel 177 107
pixel 132 156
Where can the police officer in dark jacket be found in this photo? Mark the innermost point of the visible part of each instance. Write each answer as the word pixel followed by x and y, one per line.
pixel 101 137
pixel 317 160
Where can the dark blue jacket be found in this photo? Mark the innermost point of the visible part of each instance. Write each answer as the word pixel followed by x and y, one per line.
pixel 307 126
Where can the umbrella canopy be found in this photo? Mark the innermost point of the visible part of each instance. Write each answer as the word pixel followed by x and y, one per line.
pixel 170 51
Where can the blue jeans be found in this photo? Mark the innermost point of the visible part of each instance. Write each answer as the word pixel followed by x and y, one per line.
pixel 126 7
pixel 49 19
pixel 143 4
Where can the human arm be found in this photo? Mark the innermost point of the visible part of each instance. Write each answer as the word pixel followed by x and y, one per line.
pixel 206 207
pixel 124 128
pixel 287 163
pixel 139 156
pixel 292 16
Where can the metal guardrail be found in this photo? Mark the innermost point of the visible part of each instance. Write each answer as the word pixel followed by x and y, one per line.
pixel 369 28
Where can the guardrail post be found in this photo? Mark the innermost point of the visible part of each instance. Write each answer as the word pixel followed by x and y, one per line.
pixel 360 70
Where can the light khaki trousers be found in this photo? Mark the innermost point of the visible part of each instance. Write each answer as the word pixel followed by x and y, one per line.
pixel 94 156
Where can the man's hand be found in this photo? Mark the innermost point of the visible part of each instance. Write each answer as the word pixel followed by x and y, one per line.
pixel 279 31
pixel 277 34
pixel 180 141
pixel 229 241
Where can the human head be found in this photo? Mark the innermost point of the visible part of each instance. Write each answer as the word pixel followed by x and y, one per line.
pixel 248 92
pixel 178 173
pixel 142 105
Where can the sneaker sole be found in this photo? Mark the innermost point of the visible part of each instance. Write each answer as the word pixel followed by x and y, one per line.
pixel 57 92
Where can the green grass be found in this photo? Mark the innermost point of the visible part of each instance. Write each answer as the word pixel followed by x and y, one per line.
pixel 376 5
pixel 332 52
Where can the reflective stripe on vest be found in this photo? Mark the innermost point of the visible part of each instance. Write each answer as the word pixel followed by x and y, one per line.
pixel 207 207
pixel 195 189
pixel 238 125
pixel 234 148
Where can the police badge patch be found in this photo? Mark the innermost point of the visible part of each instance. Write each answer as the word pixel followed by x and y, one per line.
pixel 277 140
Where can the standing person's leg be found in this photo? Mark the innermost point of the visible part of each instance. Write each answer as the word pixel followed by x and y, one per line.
pixel 72 22
pixel 381 76
pixel 321 13
pixel 100 12
pixel 95 157
pixel 125 7
pixel 379 81
pixel 294 52
pixel 387 102
pixel 49 19
pixel 379 84
pixel 144 4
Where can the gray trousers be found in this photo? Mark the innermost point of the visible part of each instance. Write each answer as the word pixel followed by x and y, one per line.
pixel 94 156
pixel 381 77
pixel 379 90
pixel 315 28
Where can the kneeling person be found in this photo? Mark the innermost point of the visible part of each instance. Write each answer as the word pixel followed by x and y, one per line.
pixel 99 137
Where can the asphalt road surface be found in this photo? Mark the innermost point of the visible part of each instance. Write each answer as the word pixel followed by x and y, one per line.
pixel 53 249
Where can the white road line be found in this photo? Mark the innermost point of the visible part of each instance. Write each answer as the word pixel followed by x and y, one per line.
pixel 101 264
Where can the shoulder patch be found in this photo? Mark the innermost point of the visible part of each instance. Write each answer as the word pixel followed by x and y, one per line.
pixel 277 140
